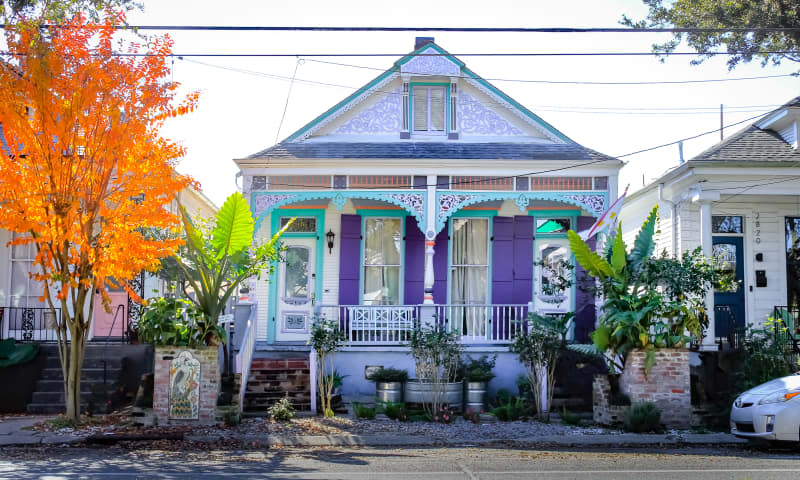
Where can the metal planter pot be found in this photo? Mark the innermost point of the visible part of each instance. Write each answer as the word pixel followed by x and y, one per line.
pixel 389 392
pixel 476 396
pixel 420 392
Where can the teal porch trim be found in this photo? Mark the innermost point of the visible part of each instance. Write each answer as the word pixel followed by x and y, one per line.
pixel 319 215
pixel 449 202
pixel 414 202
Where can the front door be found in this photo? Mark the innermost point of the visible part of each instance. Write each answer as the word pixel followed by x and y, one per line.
pixel 110 324
pixel 729 306
pixel 551 275
pixel 296 277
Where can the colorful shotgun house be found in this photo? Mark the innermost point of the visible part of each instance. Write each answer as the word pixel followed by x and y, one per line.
pixel 428 188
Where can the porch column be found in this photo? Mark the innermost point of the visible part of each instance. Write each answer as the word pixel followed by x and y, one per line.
pixel 430 239
pixel 705 199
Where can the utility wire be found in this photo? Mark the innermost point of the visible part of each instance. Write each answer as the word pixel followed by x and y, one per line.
pixel 573 82
pixel 395 55
pixel 257 28
pixel 546 108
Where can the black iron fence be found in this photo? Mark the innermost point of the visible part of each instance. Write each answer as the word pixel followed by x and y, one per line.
pixel 789 330
pixel 29 324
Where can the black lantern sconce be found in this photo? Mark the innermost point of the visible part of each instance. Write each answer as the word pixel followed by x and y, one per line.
pixel 330 236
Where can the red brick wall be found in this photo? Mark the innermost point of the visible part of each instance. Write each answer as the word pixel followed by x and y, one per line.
pixel 209 383
pixel 667 385
pixel 604 412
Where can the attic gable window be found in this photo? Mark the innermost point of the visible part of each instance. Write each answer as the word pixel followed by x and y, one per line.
pixel 428 109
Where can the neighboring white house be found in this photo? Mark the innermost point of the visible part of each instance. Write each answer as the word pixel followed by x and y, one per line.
pixel 740 201
pixel 428 189
pixel 25 317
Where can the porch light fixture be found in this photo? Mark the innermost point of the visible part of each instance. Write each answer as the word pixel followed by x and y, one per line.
pixel 330 236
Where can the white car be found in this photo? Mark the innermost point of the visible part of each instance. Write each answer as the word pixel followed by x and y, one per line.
pixel 770 411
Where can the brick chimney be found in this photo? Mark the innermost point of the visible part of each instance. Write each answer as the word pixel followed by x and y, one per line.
pixel 420 42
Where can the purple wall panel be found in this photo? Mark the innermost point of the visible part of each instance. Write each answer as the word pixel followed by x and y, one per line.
pixel 414 273
pixel 349 259
pixel 440 273
pixel 584 301
pixel 522 287
pixel 502 259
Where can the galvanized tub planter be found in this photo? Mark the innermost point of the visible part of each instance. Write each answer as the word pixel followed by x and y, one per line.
pixel 476 396
pixel 421 392
pixel 389 392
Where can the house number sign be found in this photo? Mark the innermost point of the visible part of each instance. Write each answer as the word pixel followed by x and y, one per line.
pixel 757 228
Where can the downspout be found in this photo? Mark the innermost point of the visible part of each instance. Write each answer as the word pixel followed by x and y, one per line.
pixel 674 239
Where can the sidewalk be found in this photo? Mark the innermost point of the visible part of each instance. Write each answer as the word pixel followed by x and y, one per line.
pixel 13 432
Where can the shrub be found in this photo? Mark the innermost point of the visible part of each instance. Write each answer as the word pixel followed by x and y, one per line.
pixel 437 354
pixel 510 409
pixel 387 375
pixel 569 418
pixel 538 350
pixel 326 338
pixel 473 416
pixel 232 417
pixel 362 411
pixel 643 417
pixel 282 410
pixel 479 370
pixel 396 411
pixel 445 414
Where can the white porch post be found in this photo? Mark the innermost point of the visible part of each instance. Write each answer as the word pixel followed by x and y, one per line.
pixel 428 310
pixel 705 199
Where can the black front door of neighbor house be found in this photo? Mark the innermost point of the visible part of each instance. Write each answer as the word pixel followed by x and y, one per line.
pixel 729 306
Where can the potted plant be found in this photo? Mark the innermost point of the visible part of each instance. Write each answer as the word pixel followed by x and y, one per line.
pixel 437 354
pixel 477 375
pixel 389 384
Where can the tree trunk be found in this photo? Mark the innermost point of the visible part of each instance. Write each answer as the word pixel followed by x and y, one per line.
pixel 73 380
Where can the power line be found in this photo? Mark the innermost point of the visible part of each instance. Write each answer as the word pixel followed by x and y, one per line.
pixel 544 108
pixel 488 54
pixel 575 82
pixel 258 28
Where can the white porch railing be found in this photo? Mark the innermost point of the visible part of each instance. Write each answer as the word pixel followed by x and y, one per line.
pixel 245 355
pixel 483 323
pixel 392 324
pixel 373 324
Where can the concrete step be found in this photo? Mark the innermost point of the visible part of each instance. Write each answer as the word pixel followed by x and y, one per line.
pixel 58 385
pixel 111 361
pixel 111 374
pixel 58 398
pixel 50 409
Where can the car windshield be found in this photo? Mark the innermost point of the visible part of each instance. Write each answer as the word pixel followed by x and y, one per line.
pixel 789 383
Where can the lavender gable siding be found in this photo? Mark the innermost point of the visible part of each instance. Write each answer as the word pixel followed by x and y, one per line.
pixel 349 259
pixel 584 301
pixel 414 272
pixel 440 272
pixel 522 285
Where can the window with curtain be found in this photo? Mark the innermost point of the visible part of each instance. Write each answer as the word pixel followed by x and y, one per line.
pixel 383 241
pixel 470 261
pixel 428 109
pixel 24 291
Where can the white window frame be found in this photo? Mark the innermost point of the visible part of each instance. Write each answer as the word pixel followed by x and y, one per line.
pixel 454 265
pixel 364 265
pixel 445 106
pixel 30 262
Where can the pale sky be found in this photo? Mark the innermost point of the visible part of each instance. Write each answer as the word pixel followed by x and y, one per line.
pixel 239 113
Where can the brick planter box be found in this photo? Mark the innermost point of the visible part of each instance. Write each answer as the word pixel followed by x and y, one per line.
pixel 667 385
pixel 186 384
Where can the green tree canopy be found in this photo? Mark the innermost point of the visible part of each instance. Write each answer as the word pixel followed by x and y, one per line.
pixel 720 14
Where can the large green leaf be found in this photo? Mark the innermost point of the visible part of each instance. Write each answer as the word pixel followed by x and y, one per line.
pixel 233 231
pixel 601 338
pixel 593 263
pixel 644 244
pixel 618 252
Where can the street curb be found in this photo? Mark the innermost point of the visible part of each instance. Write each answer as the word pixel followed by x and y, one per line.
pixel 40 440
pixel 717 440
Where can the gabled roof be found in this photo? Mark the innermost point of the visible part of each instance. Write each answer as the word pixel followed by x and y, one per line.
pixel 432 150
pixel 753 145
pixel 458 66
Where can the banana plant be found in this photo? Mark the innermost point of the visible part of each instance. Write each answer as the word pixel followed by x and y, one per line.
pixel 631 307
pixel 219 255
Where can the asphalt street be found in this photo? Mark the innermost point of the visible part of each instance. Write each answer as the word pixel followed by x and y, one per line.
pixel 499 462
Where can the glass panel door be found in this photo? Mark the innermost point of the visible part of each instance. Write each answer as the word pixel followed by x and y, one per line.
pixel 469 291
pixel 296 290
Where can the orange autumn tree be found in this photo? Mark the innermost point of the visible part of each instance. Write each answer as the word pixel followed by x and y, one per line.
pixel 86 171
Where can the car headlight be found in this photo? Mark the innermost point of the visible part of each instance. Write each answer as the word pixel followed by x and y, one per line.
pixel 779 396
pixel 738 403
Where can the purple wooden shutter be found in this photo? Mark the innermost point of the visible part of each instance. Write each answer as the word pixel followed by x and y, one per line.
pixel 502 259
pixel 349 259
pixel 440 272
pixel 523 260
pixel 584 301
pixel 414 290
